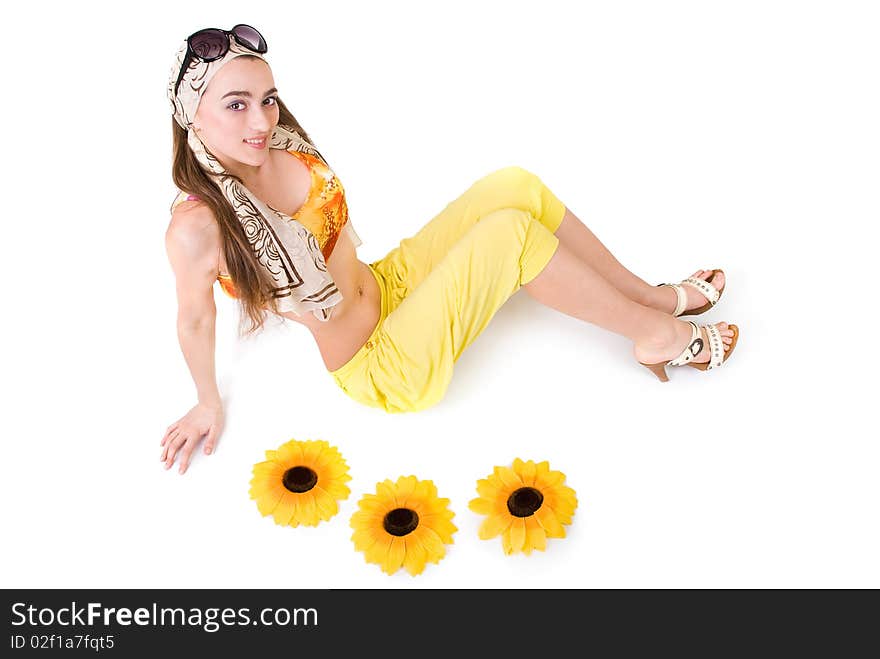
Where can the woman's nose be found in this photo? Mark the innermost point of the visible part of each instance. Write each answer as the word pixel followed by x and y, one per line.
pixel 260 121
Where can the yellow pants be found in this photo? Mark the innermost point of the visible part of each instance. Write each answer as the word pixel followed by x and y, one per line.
pixel 441 287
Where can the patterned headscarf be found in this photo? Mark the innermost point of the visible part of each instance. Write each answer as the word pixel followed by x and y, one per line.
pixel 287 250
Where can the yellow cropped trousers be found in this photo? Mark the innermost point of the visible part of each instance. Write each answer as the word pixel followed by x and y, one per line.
pixel 442 286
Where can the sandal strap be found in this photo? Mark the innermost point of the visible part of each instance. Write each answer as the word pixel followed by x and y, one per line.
pixel 716 347
pixel 708 290
pixel 681 298
pixel 693 348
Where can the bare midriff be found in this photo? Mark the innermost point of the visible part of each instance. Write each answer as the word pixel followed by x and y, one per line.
pixel 354 318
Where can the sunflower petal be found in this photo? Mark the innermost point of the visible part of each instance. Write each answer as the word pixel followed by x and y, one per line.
pixel 442 527
pixel 416 555
pixel 266 488
pixel 505 542
pixel 528 473
pixel 562 501
pixel 565 496
pixel 482 506
pixel 310 452
pixel 308 509
pixel 433 544
pixel 386 491
pixel 493 525
pixel 326 504
pixel 509 477
pixel 394 557
pixel 329 455
pixel 363 519
pixel 331 470
pixel 378 551
pixel 337 490
pixel 363 539
pixel 371 503
pixel 406 486
pixel 422 491
pixel 430 489
pixel 548 480
pixel 289 455
pixel 436 506
pixel 487 489
pixel 547 519
pixel 284 509
pixel 266 504
pixel 267 468
pixel 517 534
pixel 536 538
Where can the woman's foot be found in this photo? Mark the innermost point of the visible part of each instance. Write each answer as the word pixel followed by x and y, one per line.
pixel 667 348
pixel 665 297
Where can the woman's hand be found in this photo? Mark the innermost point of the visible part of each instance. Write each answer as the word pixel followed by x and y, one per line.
pixel 184 435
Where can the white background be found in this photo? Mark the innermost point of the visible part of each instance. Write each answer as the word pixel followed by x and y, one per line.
pixel 686 134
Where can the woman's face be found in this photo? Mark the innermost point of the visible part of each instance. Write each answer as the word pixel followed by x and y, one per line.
pixel 240 103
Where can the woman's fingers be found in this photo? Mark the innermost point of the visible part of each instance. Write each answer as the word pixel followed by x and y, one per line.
pixel 164 449
pixel 174 446
pixel 211 440
pixel 186 454
pixel 166 442
pixel 170 431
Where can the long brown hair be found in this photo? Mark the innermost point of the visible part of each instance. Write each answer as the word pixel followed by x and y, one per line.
pixel 250 279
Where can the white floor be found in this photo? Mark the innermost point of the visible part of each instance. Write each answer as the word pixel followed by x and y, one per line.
pixel 686 136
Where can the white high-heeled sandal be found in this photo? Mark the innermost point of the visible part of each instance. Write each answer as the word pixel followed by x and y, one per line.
pixel 704 286
pixel 717 356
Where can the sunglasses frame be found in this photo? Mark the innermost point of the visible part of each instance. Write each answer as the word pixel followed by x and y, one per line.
pixel 191 53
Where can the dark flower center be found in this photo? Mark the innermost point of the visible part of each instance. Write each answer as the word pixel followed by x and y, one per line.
pixel 524 502
pixel 401 521
pixel 299 479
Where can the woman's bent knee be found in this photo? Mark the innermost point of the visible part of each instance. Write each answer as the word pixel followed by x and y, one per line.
pixel 515 175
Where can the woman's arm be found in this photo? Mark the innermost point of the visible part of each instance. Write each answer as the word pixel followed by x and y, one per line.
pixel 192 242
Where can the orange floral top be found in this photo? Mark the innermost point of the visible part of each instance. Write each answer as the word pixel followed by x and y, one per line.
pixel 324 212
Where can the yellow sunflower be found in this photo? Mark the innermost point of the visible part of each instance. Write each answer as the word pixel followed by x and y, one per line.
pixel 300 482
pixel 403 524
pixel 526 504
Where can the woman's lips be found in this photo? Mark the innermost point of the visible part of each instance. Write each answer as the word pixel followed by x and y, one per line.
pixel 261 145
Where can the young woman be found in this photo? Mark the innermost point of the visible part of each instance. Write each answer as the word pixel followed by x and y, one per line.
pixel 261 211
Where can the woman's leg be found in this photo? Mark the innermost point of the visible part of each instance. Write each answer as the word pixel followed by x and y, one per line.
pixel 516 187
pixel 504 189
pixel 407 365
pixel 578 238
pixel 572 286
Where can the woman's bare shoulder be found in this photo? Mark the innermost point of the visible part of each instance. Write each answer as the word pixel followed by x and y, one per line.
pixel 193 227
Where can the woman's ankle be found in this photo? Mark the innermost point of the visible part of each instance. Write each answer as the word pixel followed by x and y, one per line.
pixel 661 298
pixel 661 333
pixel 663 339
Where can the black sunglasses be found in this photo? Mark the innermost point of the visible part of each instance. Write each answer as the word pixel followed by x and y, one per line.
pixel 213 43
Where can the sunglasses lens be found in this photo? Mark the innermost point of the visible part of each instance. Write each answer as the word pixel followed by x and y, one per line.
pixel 209 44
pixel 250 38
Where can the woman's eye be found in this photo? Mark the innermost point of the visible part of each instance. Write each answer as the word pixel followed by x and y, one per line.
pixel 274 100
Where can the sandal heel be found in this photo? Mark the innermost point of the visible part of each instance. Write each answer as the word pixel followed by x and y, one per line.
pixel 657 369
